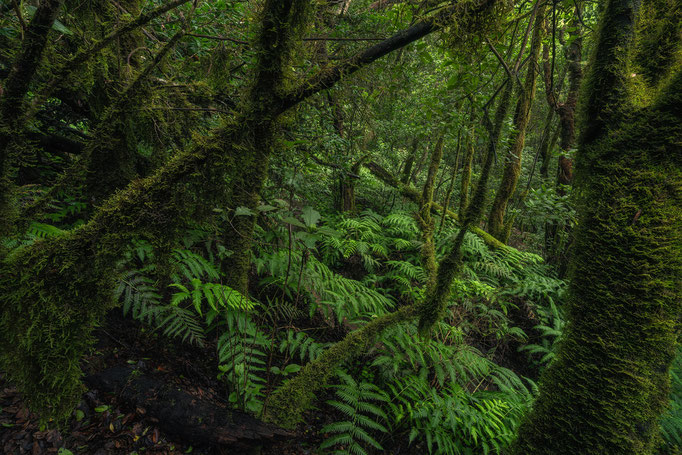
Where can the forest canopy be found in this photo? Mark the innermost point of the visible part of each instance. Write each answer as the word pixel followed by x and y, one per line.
pixel 341 226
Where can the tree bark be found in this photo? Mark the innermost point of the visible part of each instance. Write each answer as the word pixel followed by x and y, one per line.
pixel 409 162
pixel 466 173
pixel 608 386
pixel 512 169
pixel 12 104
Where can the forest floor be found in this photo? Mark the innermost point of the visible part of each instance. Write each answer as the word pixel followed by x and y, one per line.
pixel 103 424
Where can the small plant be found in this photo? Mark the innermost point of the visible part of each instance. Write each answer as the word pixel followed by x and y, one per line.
pixel 359 403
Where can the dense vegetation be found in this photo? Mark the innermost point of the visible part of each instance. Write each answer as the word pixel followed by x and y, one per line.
pixel 412 226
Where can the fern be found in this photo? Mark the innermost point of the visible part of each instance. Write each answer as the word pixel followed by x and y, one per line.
pixel 359 402
pixel 301 344
pixel 671 423
pixel 241 356
pixel 550 336
pixel 138 295
pixel 190 265
pixel 180 322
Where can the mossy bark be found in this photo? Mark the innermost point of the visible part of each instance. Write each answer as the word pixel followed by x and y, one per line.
pixel 451 186
pixel 466 174
pixel 608 385
pixel 512 169
pixel 13 104
pixel 424 219
pixel 55 291
pixel 281 21
pixel 112 158
pixel 286 405
pixel 409 163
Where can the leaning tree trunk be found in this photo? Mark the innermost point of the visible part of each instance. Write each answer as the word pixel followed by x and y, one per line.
pixel 608 386
pixel 512 169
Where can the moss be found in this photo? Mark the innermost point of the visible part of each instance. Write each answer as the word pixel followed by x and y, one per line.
pixel 281 23
pixel 425 220
pixel 53 295
pixel 608 386
pixel 512 169
pixel 55 291
pixel 659 32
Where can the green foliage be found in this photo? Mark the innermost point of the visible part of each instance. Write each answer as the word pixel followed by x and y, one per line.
pixel 550 331
pixel 359 402
pixel 242 357
pixel 671 422
pixel 446 394
pixel 302 344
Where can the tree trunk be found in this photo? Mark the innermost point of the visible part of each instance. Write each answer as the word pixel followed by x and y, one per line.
pixel 512 169
pixel 448 193
pixel 256 137
pixel 409 162
pixel 112 161
pixel 466 174
pixel 608 386
pixel 12 104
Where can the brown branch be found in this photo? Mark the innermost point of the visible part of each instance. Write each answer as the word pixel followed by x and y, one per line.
pixel 330 76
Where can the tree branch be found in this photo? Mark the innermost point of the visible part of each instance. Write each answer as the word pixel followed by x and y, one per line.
pixel 328 77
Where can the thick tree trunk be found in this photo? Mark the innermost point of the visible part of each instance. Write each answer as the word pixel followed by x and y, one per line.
pixel 607 387
pixel 512 169
pixel 279 26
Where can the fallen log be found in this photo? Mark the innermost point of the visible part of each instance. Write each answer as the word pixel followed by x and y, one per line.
pixel 181 415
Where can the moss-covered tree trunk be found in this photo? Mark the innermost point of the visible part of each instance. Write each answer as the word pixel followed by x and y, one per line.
pixel 409 162
pixel 512 169
pixel 112 158
pixel 13 91
pixel 280 22
pixel 466 173
pixel 608 386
